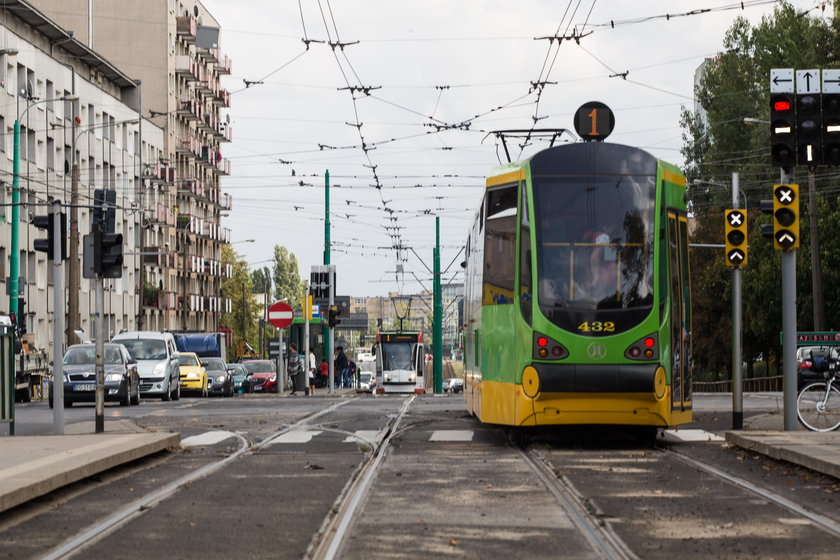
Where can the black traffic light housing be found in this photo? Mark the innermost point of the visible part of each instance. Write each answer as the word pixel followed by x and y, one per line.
pixel 333 317
pixel 809 143
pixel 104 210
pixel 782 129
pixel 786 217
pixel 736 237
pixel 108 254
pixel 831 128
pixel 48 245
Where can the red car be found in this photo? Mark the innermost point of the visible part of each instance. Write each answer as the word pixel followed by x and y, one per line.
pixel 263 375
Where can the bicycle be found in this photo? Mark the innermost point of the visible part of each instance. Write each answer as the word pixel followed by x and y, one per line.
pixel 818 403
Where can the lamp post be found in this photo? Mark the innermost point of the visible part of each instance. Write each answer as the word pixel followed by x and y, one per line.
pixel 14 256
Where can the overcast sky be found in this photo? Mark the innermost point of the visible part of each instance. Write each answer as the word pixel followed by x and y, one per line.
pixel 441 74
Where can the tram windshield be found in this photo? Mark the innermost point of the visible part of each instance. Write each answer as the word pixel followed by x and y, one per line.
pixel 594 235
pixel 397 355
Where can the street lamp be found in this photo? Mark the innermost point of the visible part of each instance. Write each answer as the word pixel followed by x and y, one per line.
pixel 243 241
pixel 14 255
pixel 752 120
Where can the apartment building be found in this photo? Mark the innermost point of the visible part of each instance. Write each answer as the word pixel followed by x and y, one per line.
pixel 172 47
pixel 73 106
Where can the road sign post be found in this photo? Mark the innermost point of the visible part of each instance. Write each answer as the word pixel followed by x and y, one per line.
pixel 280 315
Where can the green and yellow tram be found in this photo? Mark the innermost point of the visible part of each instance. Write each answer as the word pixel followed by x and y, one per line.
pixel 577 302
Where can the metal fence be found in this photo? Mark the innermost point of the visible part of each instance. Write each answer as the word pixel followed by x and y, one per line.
pixel 751 385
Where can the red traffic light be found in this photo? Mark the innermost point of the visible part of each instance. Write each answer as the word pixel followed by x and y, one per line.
pixel 781 105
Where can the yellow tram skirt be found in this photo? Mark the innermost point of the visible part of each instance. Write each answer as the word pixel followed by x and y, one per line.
pixel 508 404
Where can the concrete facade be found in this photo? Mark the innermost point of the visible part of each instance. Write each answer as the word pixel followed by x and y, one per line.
pixel 111 143
pixel 172 47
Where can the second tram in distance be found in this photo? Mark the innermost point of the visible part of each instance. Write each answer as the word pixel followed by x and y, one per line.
pixel 399 362
pixel 577 304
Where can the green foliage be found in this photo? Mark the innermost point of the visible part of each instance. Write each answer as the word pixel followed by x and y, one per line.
pixel 261 278
pixel 288 284
pixel 238 288
pixel 734 85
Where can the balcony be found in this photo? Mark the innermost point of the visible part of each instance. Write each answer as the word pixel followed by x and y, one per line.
pixel 189 145
pixel 186 28
pixel 210 55
pixel 222 97
pixel 190 109
pixel 224 65
pixel 223 165
pixel 226 202
pixel 186 66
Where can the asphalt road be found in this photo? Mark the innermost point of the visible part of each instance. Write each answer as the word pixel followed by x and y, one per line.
pixel 447 487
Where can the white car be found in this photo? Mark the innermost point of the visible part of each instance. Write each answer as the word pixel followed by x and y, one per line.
pixel 451 383
pixel 367 381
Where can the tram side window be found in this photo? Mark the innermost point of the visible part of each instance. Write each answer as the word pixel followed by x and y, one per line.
pixel 525 297
pixel 500 245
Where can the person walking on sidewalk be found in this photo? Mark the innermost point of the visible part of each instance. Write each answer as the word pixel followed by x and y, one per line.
pixel 313 372
pixel 341 365
pixel 295 368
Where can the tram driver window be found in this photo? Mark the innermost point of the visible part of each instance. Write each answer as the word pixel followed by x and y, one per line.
pixel 500 245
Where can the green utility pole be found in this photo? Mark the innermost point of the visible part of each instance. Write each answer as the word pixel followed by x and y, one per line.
pixel 328 338
pixel 327 217
pixel 437 326
pixel 14 253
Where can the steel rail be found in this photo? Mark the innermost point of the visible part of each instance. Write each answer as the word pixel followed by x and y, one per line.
pixel 330 539
pixel 826 524
pixel 597 532
pixel 110 524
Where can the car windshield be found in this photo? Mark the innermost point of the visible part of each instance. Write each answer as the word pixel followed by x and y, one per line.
pixel 145 348
pixel 86 355
pixel 187 360
pixel 259 367
pixel 236 369
pixel 364 377
pixel 214 365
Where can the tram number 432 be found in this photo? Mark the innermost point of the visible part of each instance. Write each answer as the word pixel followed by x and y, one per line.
pixel 597 326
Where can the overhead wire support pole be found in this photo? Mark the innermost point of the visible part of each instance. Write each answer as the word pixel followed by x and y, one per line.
pixel 437 334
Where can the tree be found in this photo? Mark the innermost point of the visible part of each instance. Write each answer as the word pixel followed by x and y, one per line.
pixel 261 278
pixel 288 284
pixel 242 319
pixel 734 85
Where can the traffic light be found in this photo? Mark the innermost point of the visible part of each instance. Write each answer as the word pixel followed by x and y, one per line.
pixel 782 123
pixel 786 216
pixel 809 129
pixel 108 254
pixel 736 237
pixel 48 245
pixel 104 211
pixel 333 317
pixel 21 324
pixel 831 128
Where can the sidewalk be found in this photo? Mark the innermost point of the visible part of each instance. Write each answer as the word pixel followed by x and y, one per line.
pixel 763 433
pixel 31 466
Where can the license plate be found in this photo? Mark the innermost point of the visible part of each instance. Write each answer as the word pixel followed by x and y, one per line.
pixel 84 387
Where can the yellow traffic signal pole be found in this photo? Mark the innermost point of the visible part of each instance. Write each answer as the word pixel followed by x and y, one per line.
pixel 789 318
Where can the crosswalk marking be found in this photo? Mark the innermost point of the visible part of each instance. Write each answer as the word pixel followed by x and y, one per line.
pixel 690 435
pixel 363 436
pixel 295 436
pixel 452 435
pixel 207 438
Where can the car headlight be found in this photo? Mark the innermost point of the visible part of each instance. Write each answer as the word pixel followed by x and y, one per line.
pixel 411 377
pixel 273 378
pixel 160 369
pixel 66 378
pixel 113 378
pixel 220 379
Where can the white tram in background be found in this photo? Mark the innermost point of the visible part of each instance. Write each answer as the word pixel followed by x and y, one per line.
pixel 399 362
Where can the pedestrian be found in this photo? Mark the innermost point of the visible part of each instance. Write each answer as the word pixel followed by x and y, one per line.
pixel 351 373
pixel 313 369
pixel 295 367
pixel 341 366
pixel 324 370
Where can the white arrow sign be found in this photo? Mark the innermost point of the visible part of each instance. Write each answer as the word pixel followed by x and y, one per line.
pixel 781 80
pixel 808 81
pixel 736 256
pixel 831 81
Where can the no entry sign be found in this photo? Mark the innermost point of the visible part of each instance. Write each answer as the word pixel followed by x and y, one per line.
pixel 280 315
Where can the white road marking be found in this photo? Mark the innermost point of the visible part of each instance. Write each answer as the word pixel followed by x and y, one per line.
pixel 452 435
pixel 295 436
pixel 690 435
pixel 207 438
pixel 363 436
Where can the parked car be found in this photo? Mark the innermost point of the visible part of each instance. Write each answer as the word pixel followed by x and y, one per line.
pixel 367 382
pixel 122 381
pixel 157 362
pixel 241 378
pixel 457 385
pixel 220 382
pixel 263 375
pixel 812 363
pixel 193 374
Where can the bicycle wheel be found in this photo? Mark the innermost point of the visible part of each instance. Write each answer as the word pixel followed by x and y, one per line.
pixel 813 413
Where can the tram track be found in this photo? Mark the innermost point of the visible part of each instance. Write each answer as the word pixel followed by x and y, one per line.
pixel 597 532
pixel 822 522
pixel 328 541
pixel 106 526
